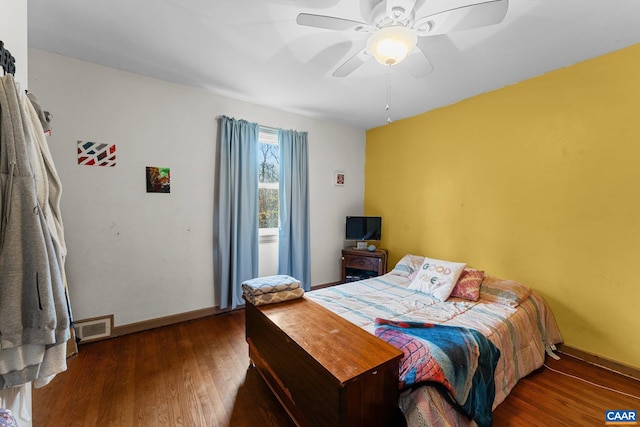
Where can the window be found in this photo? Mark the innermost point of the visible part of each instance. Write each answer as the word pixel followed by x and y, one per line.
pixel 268 181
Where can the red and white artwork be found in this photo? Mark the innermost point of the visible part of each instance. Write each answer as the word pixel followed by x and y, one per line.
pixel 96 154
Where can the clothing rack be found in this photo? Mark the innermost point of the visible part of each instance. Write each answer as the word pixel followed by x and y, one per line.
pixel 7 61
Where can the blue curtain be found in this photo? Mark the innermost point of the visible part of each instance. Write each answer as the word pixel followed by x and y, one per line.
pixel 294 256
pixel 236 228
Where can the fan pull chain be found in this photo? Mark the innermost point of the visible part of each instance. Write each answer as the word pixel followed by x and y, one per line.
pixel 388 97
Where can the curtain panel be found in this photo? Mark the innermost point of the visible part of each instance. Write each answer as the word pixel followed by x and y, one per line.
pixel 294 257
pixel 236 208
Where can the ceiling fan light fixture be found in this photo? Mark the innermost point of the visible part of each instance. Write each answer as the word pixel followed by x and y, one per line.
pixel 390 45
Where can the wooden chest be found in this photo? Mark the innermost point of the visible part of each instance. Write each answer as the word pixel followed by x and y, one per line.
pixel 324 370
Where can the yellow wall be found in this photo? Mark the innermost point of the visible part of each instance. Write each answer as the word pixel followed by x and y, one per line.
pixel 537 182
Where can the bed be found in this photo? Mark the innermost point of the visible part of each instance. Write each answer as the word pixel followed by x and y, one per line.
pixel 515 319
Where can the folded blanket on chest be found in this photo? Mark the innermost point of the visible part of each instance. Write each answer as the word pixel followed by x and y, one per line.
pixel 461 361
pixel 271 289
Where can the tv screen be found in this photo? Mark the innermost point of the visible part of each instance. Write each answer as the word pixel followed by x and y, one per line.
pixel 363 228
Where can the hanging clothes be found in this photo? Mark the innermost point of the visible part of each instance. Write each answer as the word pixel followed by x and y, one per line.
pixel 49 189
pixel 34 310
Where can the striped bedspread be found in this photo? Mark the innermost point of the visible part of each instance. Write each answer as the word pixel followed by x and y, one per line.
pixel 521 334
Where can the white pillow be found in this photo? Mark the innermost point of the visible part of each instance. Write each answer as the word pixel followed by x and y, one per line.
pixel 407 265
pixel 437 277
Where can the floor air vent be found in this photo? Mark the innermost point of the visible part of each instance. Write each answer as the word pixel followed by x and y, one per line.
pixel 94 329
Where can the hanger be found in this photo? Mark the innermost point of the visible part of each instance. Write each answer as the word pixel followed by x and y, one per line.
pixel 7 61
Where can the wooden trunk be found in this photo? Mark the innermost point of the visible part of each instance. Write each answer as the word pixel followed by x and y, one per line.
pixel 324 370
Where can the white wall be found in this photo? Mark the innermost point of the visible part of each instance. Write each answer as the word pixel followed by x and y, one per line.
pixel 141 255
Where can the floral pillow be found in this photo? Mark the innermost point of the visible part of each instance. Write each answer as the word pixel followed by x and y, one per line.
pixel 468 286
pixel 503 291
pixel 408 265
pixel 437 277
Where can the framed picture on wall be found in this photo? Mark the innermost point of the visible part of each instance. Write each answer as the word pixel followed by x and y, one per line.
pixel 158 180
pixel 338 178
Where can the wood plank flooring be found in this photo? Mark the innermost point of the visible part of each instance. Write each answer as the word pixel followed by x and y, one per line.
pixel 197 374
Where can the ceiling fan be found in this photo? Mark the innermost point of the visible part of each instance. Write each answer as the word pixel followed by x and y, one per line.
pixel 395 30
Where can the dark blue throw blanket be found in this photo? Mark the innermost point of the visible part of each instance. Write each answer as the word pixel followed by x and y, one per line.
pixel 461 361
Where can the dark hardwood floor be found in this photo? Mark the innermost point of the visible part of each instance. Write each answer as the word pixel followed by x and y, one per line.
pixel 197 374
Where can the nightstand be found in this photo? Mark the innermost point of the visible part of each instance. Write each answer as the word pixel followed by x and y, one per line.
pixel 362 264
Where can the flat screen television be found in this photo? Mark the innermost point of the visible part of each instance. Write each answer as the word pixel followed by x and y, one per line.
pixel 363 228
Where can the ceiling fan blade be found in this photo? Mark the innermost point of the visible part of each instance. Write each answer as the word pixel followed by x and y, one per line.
pixel 327 22
pixel 351 64
pixel 418 64
pixel 463 18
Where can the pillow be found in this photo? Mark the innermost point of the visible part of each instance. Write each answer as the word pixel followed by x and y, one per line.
pixel 437 277
pixel 407 265
pixel 507 292
pixel 468 286
pixel 413 275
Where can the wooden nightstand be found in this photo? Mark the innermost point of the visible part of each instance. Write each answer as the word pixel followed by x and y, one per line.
pixel 363 264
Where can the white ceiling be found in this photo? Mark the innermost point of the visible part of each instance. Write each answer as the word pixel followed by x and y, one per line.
pixel 253 50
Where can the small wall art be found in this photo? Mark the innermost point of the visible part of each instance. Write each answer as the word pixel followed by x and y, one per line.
pixel 338 178
pixel 158 180
pixel 96 154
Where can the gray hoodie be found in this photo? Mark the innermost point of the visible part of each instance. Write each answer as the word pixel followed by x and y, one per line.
pixel 33 306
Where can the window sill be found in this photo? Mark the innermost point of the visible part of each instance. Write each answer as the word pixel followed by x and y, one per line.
pixel 268 236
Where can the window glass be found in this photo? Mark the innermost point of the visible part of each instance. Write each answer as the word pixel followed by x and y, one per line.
pixel 268 180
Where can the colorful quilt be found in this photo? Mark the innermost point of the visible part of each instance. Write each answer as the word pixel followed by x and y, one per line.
pixel 460 361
